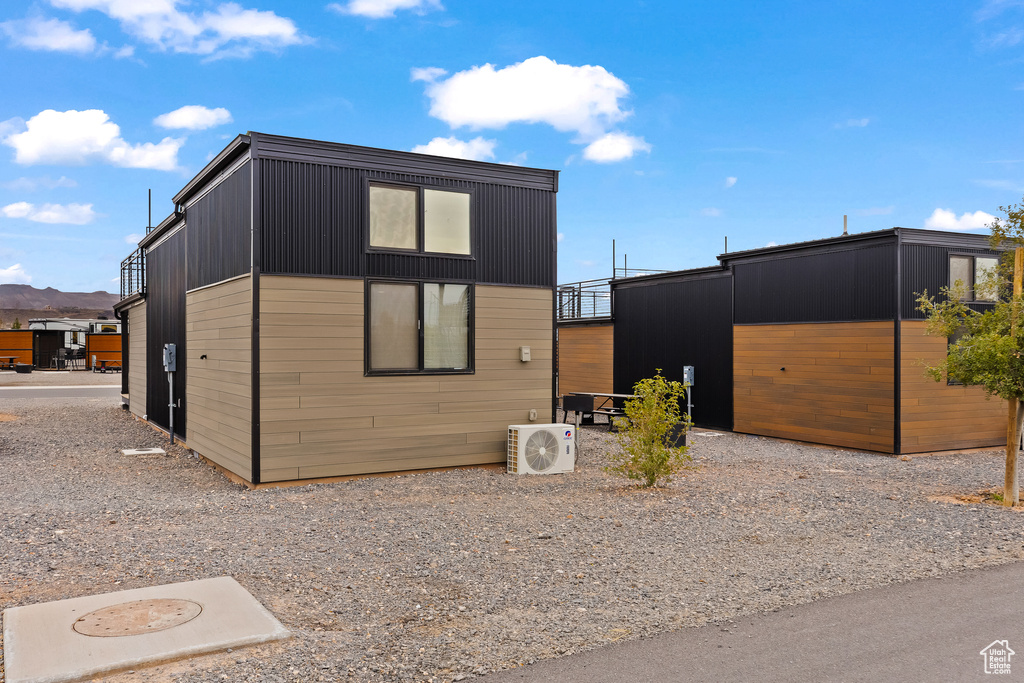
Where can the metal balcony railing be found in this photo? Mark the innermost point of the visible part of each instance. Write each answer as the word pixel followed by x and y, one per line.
pixel 587 299
pixel 133 274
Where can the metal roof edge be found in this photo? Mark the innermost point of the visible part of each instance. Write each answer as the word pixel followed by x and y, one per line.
pixel 362 157
pixel 157 232
pixel 797 246
pixel 670 275
pixel 219 163
pixel 126 302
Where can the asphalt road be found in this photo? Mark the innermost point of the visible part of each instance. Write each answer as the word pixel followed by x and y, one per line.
pixel 93 391
pixel 928 630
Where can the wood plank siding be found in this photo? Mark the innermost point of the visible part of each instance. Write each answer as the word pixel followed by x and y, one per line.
pixel 17 343
pixel 218 325
pixel 105 347
pixel 137 359
pixel 935 416
pixel 585 358
pixel 321 416
pixel 836 389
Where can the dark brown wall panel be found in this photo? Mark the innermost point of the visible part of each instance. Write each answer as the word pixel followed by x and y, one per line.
pixel 836 388
pixel 935 416
pixel 585 358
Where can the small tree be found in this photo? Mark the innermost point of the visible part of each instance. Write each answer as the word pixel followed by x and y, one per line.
pixel 646 433
pixel 985 347
pixel 16 325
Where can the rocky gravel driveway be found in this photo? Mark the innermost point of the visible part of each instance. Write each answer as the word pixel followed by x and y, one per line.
pixel 449 575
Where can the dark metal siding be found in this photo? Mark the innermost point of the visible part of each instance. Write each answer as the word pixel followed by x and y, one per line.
pixel 671 324
pixel 927 268
pixel 313 224
pixel 847 285
pixel 219 231
pixel 165 324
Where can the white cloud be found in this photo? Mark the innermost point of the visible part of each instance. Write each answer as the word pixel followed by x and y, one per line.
pixel 32 184
pixel 133 238
pixel 771 244
pixel 614 147
pixel 15 275
pixel 561 236
pixel 427 73
pixel 730 181
pixel 945 219
pixel 477 149
pixel 1009 185
pixel 711 212
pixel 69 214
pixel 194 117
pixel 381 9
pixel 54 35
pixel 853 123
pixel 227 31
pixel 581 99
pixel 82 137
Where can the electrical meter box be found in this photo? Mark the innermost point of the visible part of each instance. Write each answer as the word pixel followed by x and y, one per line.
pixel 688 375
pixel 170 357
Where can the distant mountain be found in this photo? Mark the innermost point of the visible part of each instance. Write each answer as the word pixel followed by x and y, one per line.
pixel 24 302
pixel 27 296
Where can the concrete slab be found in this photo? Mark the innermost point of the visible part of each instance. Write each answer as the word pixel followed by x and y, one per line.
pixel 144 451
pixel 42 644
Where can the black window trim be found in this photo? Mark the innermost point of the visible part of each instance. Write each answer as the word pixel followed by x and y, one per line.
pixel 420 218
pixel 368 371
pixel 970 285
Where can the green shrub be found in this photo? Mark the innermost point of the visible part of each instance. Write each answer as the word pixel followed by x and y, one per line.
pixel 647 455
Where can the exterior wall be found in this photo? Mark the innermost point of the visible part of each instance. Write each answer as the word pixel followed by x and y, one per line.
pixel 218 324
pixel 837 386
pixel 106 347
pixel 585 358
pixel 935 416
pixel 137 359
pixel 671 321
pixel 17 343
pixel 321 416
pixel 165 324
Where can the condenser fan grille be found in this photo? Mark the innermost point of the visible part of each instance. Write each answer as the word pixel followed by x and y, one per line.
pixel 541 451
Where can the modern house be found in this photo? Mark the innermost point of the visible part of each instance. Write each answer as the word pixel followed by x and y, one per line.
pixel 344 310
pixel 819 341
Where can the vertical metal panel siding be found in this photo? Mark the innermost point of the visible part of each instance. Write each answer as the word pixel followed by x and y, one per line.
pixel 165 323
pixel 927 268
pixel 670 324
pixel 219 241
pixel 313 224
pixel 853 284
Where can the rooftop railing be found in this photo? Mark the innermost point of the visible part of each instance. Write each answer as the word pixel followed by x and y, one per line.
pixel 133 274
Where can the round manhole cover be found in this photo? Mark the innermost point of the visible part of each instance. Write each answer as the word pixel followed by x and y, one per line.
pixel 140 616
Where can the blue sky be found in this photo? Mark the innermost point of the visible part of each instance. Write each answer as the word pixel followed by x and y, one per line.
pixel 673 124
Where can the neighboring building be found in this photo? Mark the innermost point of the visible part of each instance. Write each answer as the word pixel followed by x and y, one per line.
pixel 818 341
pixel 345 310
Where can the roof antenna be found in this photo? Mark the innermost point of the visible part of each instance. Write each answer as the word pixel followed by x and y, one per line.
pixel 726 244
pixel 149 223
pixel 844 225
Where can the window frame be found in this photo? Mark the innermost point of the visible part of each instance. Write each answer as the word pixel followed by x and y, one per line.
pixel 971 289
pixel 470 368
pixel 421 224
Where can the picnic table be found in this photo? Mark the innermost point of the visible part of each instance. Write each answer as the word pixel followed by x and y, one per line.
pixel 104 365
pixel 8 362
pixel 590 403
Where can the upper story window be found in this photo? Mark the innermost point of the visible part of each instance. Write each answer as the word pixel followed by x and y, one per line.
pixel 419 219
pixel 975 272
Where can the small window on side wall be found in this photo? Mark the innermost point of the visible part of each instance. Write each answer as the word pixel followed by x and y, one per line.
pixel 976 277
pixel 397 221
pixel 415 327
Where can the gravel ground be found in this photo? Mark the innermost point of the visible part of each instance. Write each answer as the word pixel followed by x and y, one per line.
pixel 446 576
